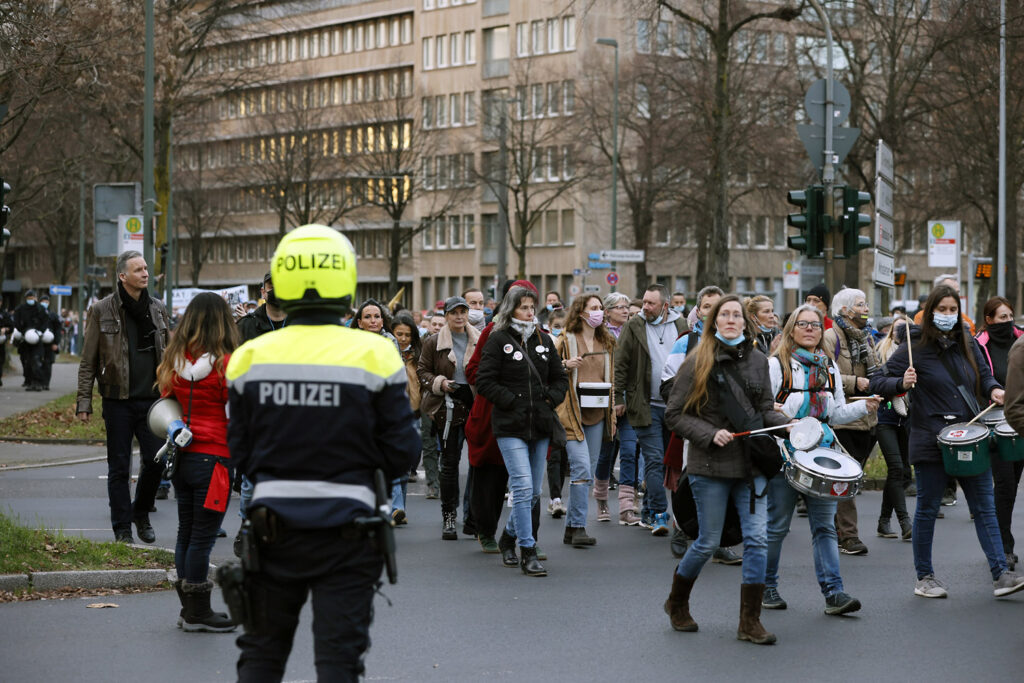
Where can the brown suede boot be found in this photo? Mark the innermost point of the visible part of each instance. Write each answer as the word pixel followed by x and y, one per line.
pixel 601 496
pixel 750 615
pixel 677 607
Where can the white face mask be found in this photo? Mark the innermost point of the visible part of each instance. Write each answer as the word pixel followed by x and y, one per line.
pixel 475 316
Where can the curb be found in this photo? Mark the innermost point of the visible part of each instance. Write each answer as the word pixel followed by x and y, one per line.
pixel 52 442
pixel 14 582
pixel 35 465
pixel 115 578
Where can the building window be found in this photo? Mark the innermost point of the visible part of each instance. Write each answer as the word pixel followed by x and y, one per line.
pixel 406 30
pixel 468 103
pixel 442 51
pixel 537 37
pixel 742 231
pixel 440 104
pixel 554 100
pixel 428 53
pixel 568 226
pixel 553 35
pixel 569 33
pixel 455 107
pixel 456 48
pixel 522 39
pixel 455 227
pixel 496 52
pixel 643 36
pixel 568 97
pixel 469 231
pixel 537 100
pixel 469 41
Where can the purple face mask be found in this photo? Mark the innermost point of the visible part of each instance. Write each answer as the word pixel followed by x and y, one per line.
pixel 594 318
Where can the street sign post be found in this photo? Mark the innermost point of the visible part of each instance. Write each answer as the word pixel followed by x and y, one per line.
pixel 944 244
pixel 885 233
pixel 813 137
pixel 591 289
pixel 110 201
pixel 623 255
pixel 60 290
pixel 791 275
pixel 885 269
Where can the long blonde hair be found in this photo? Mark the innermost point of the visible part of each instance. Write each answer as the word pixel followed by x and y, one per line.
pixel 784 351
pixel 205 327
pixel 888 345
pixel 704 357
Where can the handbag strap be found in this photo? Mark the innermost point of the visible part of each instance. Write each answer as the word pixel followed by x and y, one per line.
pixel 954 372
pixel 529 362
pixel 740 412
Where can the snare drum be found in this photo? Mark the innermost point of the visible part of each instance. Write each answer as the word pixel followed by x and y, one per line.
pixel 809 433
pixel 824 473
pixel 964 449
pixel 1009 445
pixel 594 394
pixel 993 417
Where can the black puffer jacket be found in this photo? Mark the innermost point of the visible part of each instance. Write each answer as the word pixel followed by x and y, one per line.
pixel 523 407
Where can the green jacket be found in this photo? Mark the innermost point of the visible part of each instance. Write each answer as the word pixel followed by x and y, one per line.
pixel 633 369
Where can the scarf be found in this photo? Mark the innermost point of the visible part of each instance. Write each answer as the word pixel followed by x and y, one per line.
pixel 523 328
pixel 139 312
pixel 816 368
pixel 859 342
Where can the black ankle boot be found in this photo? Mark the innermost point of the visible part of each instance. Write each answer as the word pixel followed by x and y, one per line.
pixel 198 615
pixel 507 546
pixel 530 565
pixel 448 527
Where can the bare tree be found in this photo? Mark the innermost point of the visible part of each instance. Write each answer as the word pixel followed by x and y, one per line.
pixel 198 215
pixel 717 25
pixel 541 161
pixel 396 147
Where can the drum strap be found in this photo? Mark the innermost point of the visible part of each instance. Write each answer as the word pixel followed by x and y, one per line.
pixel 954 372
pixel 787 382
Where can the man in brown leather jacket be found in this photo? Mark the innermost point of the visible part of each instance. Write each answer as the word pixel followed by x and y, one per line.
pixel 125 336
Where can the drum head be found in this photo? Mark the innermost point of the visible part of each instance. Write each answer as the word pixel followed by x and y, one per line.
pixel 828 463
pixel 962 433
pixel 806 434
pixel 1005 430
pixel 993 417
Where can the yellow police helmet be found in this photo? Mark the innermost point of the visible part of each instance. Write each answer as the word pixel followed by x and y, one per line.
pixel 314 266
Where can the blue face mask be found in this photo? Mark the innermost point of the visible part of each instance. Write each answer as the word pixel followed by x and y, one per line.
pixel 730 342
pixel 44 304
pixel 679 309
pixel 944 321
pixel 31 302
pixel 763 328
pixel 555 332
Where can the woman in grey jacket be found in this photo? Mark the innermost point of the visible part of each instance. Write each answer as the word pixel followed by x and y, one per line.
pixel 725 368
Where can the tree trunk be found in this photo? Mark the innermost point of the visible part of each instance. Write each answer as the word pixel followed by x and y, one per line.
pixel 396 253
pixel 1012 242
pixel 643 220
pixel 714 270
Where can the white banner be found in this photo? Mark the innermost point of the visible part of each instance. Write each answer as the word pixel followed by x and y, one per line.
pixel 181 298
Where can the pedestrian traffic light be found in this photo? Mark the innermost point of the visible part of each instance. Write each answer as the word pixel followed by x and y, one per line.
pixel 811 221
pixel 852 220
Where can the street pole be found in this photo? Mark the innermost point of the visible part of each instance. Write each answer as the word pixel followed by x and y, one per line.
pixel 81 261
pixel 828 169
pixel 615 146
pixel 1001 264
pixel 170 260
pixel 503 199
pixel 148 192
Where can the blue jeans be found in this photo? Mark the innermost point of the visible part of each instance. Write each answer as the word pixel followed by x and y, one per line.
pixel 712 496
pixel 398 489
pixel 821 516
pixel 197 526
pixel 651 440
pixel 583 456
pixel 931 482
pixel 625 440
pixel 125 420
pixel 245 496
pixel 525 464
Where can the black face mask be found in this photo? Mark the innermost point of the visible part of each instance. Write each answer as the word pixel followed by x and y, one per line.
pixel 272 299
pixel 1001 331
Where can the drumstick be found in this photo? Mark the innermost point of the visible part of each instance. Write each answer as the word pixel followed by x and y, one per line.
pixel 758 431
pixel 981 413
pixel 910 348
pixel 860 398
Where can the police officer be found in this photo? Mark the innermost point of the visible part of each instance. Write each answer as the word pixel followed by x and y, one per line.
pixel 50 348
pixel 316 409
pixel 31 321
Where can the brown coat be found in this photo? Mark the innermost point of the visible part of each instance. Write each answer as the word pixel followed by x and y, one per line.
pixel 569 410
pixel 705 458
pixel 437 364
pixel 836 337
pixel 105 351
pixel 1014 403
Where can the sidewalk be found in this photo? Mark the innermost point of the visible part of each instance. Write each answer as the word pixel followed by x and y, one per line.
pixel 14 400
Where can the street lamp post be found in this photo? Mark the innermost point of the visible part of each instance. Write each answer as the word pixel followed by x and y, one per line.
pixel 615 143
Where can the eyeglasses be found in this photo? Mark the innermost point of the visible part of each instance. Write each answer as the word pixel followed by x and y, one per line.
pixel 804 324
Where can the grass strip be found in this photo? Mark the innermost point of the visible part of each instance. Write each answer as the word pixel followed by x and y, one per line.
pixel 56 420
pixel 24 549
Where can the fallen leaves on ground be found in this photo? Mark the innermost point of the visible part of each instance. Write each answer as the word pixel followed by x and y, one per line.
pixel 72 593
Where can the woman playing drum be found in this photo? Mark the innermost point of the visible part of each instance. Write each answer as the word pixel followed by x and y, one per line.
pixel 806 383
pixel 725 368
pixel 948 376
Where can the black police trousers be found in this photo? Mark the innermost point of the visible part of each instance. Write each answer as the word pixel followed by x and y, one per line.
pixel 341 573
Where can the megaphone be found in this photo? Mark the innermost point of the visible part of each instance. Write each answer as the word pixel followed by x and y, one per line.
pixel 165 421
pixel 32 337
pixel 48 336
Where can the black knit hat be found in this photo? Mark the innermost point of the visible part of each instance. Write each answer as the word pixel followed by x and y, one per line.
pixel 821 291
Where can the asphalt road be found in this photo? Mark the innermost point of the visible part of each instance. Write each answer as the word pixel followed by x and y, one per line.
pixel 458 615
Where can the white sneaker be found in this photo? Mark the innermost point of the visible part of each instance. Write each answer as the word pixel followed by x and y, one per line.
pixel 1008 582
pixel 930 587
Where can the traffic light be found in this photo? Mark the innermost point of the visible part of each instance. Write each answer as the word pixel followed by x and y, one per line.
pixel 983 269
pixel 811 221
pixel 5 212
pixel 852 220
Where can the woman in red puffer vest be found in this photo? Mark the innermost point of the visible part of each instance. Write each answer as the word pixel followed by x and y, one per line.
pixel 192 371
